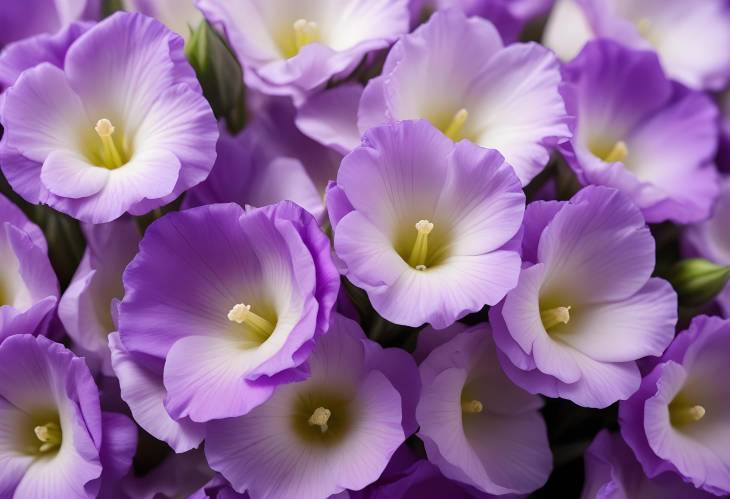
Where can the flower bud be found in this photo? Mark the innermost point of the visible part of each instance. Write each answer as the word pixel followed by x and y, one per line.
pixel 697 281
pixel 219 74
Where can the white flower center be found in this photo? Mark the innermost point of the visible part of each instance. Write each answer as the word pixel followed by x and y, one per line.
pixel 320 417
pixel 49 435
pixel 554 316
pixel 242 314
pixel 419 253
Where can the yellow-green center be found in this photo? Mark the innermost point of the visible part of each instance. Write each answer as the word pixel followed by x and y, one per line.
pixel 258 326
pixel 107 147
pixel 301 33
pixel 321 417
pixel 610 152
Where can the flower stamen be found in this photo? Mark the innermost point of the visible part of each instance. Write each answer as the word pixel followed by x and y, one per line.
pixel 305 32
pixel 242 314
pixel 320 417
pixel 554 316
pixel 109 153
pixel 457 123
pixel 49 435
pixel 683 415
pixel 472 407
pixel 419 253
pixel 619 152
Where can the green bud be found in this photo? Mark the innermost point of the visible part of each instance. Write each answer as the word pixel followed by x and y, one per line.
pixel 697 281
pixel 219 74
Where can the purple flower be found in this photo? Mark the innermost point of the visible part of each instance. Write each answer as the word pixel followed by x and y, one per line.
pixel 180 16
pixel 54 439
pixel 585 308
pixel 477 426
pixel 424 225
pixel 456 73
pixel 711 239
pixel 230 302
pixel 86 306
pixel 26 18
pixel 293 48
pixel 612 472
pixel 652 140
pixel 678 420
pixel 178 475
pixel 684 33
pixel 251 170
pixel 105 135
pixel 30 52
pixel 496 11
pixel 28 285
pixel 337 430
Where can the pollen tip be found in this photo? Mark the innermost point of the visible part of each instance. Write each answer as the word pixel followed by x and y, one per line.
pixel 424 227
pixel 472 406
pixel 320 417
pixel 238 313
pixel 697 412
pixel 104 128
pixel 421 267
pixel 619 152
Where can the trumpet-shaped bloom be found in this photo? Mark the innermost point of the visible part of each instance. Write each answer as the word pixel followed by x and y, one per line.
pixel 477 426
pixel 685 34
pixel 585 308
pixel 54 439
pixel 230 302
pixel 28 285
pixel 337 430
pixel 654 141
pixel 425 226
pixel 711 239
pixel 86 306
pixel 457 73
pixel 612 472
pixel 678 420
pixel 251 170
pixel 19 20
pixel 105 135
pixel 180 16
pixel 294 47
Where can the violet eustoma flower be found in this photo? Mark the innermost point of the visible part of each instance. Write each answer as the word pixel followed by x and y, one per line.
pixel 127 132
pixel 652 140
pixel 457 73
pixel 251 170
pixel 230 301
pixel 685 34
pixel 477 426
pixel 293 48
pixel 678 420
pixel 612 472
pixel 26 18
pixel 86 306
pixel 28 284
pixel 54 439
pixel 586 307
pixel 711 239
pixel 425 226
pixel 337 430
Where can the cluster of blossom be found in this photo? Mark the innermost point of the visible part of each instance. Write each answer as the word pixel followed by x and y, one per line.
pixel 357 248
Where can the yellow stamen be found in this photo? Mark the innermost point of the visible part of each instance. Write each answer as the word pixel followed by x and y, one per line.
pixel 472 407
pixel 683 415
pixel 305 32
pixel 242 314
pixel 110 155
pixel 419 253
pixel 49 435
pixel 554 316
pixel 619 152
pixel 453 131
pixel 320 417
pixel 643 26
